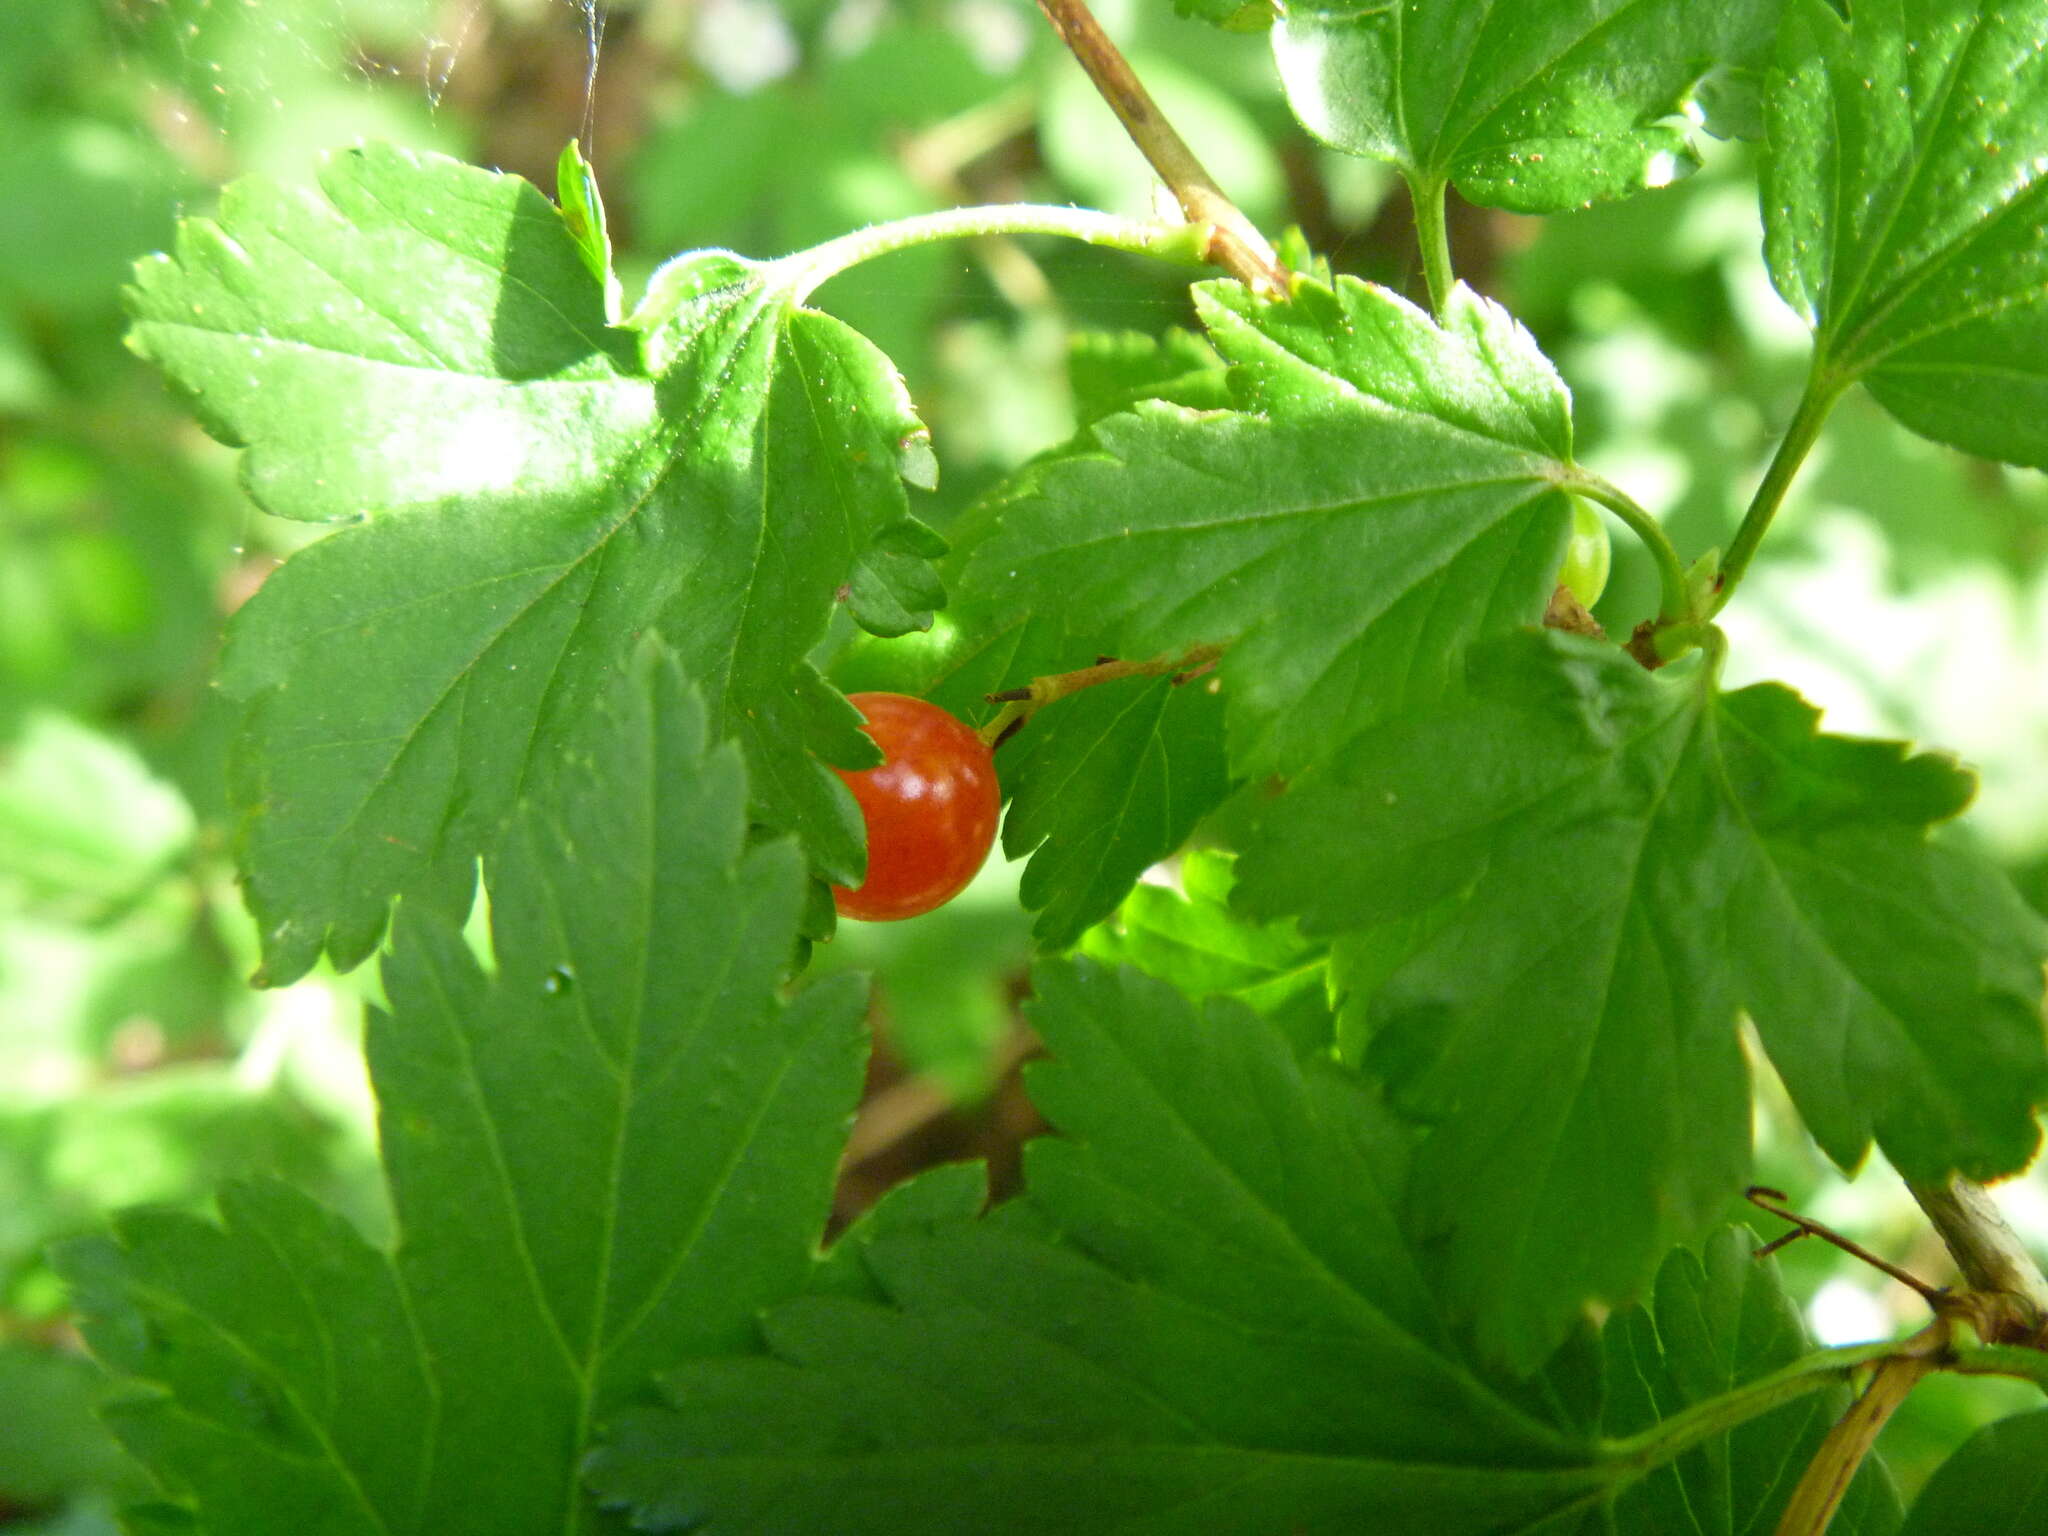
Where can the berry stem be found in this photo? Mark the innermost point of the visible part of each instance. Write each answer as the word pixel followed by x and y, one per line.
pixel 1020 704
pixel 1676 602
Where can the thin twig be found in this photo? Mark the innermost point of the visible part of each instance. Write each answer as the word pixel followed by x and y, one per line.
pixel 1236 245
pixel 1767 1199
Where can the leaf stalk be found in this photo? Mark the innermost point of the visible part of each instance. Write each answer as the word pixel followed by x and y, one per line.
pixel 1432 233
pixel 1821 393
pixel 1673 1437
pixel 1185 244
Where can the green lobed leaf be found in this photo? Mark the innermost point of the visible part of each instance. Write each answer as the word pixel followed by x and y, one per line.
pixel 1106 783
pixel 1896 982
pixel 1384 494
pixel 1230 15
pixel 1575 1058
pixel 1904 200
pixel 423 348
pixel 51 1444
pixel 1535 105
pixel 1204 1317
pixel 603 1157
pixel 84 826
pixel 1991 1487
pixel 1686 854
pixel 1112 371
pixel 1228 1334
pixel 1192 939
pixel 1718 1321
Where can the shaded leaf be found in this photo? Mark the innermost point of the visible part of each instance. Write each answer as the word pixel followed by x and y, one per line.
pixel 1229 1335
pixel 1993 1486
pixel 1719 1321
pixel 1108 782
pixel 1643 857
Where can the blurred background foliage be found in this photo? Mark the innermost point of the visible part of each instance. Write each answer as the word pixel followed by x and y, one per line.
pixel 1906 588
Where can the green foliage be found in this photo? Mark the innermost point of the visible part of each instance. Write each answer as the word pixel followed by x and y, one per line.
pixel 411 674
pixel 1422 952
pixel 50 1443
pixel 1209 1291
pixel 1713 852
pixel 1384 494
pixel 609 1153
pixel 1113 780
pixel 1534 105
pixel 1716 1322
pixel 1992 1486
pixel 1195 940
pixel 60 849
pixel 1903 201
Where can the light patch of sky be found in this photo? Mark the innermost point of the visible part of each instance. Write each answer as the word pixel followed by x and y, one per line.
pixel 1842 1312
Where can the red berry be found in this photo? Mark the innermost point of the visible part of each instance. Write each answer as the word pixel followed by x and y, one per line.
pixel 930 808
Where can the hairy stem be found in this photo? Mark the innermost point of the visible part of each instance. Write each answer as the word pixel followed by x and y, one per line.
pixel 1678 1434
pixel 1434 235
pixel 1020 704
pixel 1185 243
pixel 1995 1263
pixel 1819 398
pixel 1675 603
pixel 2021 1362
pixel 1237 246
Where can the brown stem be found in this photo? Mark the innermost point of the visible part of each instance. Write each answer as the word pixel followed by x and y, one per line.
pixel 2001 1274
pixel 1765 1198
pixel 1235 245
pixel 1020 704
pixel 1833 1468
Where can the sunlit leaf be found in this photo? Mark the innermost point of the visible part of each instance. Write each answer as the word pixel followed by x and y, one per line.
pixel 1904 201
pixel 421 348
pixel 1535 105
